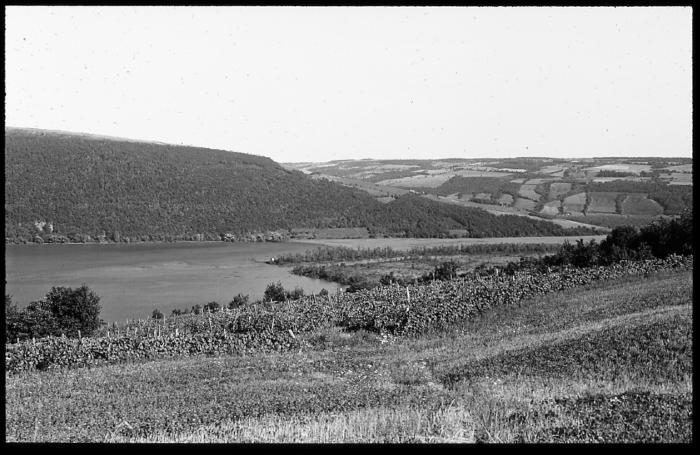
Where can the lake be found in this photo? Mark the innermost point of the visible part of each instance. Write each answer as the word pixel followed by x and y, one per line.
pixel 133 279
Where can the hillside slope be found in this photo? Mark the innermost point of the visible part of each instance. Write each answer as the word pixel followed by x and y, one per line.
pixel 608 362
pixel 91 187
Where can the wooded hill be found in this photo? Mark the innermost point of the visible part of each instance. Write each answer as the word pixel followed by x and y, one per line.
pixel 84 188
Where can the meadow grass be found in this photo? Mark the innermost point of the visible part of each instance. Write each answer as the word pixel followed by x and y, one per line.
pixel 363 387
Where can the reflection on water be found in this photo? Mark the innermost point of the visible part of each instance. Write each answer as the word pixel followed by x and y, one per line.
pixel 133 279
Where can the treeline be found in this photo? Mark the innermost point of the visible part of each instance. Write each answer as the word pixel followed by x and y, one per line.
pixel 67 186
pixel 610 173
pixel 341 253
pixel 659 239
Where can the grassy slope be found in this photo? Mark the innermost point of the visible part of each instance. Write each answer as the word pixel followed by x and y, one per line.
pixel 542 372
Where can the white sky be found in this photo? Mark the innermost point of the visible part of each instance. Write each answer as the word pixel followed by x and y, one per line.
pixel 317 84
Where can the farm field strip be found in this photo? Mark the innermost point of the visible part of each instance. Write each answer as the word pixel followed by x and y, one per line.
pixel 640 204
pixel 362 380
pixel 603 202
pixel 524 204
pixel 528 191
pixel 558 189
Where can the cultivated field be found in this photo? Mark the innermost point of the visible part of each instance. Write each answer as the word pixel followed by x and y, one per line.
pixel 524 204
pixel 639 204
pixel 575 204
pixel 558 189
pixel 551 208
pixel 417 181
pixel 527 190
pixel 603 202
pixel 608 362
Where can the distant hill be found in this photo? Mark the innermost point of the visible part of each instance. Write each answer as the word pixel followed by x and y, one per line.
pixel 71 187
pixel 561 190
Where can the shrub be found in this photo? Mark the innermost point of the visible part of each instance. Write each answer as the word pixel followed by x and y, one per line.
pixel 274 292
pixel 296 294
pixel 212 307
pixel 238 301
pixel 157 314
pixel 445 271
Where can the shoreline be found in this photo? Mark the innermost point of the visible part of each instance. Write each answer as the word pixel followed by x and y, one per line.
pixel 340 241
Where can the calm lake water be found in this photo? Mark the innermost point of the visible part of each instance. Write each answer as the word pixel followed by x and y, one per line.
pixel 133 279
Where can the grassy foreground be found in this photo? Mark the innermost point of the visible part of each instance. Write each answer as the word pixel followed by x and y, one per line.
pixel 609 362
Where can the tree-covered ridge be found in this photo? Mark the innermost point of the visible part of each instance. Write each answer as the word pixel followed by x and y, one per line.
pixel 90 186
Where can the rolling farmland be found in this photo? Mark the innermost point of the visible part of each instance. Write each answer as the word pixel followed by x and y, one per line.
pixel 639 204
pixel 575 204
pixel 603 202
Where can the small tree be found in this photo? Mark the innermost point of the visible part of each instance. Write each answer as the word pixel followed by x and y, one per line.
pixel 238 301
pixel 274 292
pixel 212 306
pixel 446 271
pixel 74 309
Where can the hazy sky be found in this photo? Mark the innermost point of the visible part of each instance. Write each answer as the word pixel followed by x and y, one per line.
pixel 317 84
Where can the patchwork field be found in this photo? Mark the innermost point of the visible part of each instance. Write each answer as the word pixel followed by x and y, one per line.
pixel 603 202
pixel 418 181
pixel 524 204
pixel 558 189
pixel 639 204
pixel 681 168
pixel 373 189
pixel 509 185
pixel 681 178
pixel 621 167
pixel 551 208
pixel 575 204
pixel 527 190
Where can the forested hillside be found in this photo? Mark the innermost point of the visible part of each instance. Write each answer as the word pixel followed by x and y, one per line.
pixel 67 187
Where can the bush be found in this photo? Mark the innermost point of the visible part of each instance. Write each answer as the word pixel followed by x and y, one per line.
pixel 157 314
pixel 212 307
pixel 445 271
pixel 296 294
pixel 238 301
pixel 274 292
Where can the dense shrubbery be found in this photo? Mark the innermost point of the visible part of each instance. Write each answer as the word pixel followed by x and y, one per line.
pixel 659 239
pixel 398 310
pixel 64 311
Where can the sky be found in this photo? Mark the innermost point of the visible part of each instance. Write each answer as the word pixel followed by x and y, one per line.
pixel 300 84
